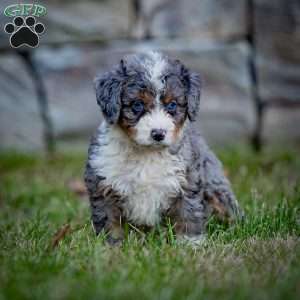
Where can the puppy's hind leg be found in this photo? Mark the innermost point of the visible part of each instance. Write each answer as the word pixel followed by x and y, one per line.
pixel 217 189
pixel 189 215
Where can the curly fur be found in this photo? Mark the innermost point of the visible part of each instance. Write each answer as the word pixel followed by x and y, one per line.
pixel 133 178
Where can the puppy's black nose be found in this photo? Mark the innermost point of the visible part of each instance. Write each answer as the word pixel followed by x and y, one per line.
pixel 158 134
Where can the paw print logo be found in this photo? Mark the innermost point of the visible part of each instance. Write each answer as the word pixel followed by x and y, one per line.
pixel 24 31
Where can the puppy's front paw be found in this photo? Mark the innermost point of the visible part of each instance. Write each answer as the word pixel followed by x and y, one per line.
pixel 115 236
pixel 195 241
pixel 113 241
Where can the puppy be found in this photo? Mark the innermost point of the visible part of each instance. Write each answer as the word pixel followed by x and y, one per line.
pixel 147 161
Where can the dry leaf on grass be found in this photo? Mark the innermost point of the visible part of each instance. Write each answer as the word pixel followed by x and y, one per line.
pixel 60 235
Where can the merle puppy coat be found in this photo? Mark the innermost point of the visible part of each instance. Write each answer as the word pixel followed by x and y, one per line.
pixel 147 161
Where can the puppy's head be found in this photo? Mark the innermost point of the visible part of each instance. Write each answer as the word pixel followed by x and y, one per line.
pixel 149 96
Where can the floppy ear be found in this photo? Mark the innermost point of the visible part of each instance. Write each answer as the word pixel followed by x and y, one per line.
pixel 108 92
pixel 193 91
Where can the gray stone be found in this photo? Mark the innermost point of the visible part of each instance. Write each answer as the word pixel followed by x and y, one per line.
pixel 70 90
pixel 20 123
pixel 192 18
pixel 76 20
pixel 281 125
pixel 277 35
pixel 86 20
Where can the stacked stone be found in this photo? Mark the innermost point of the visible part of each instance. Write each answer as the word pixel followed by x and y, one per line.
pixel 83 38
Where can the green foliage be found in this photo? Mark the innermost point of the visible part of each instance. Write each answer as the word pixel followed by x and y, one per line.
pixel 257 258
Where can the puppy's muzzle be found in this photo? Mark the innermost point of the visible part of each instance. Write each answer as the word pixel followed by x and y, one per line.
pixel 158 135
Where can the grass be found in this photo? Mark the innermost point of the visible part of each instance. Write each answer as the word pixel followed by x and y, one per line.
pixel 257 259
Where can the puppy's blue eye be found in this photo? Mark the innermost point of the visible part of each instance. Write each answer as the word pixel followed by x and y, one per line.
pixel 137 107
pixel 171 107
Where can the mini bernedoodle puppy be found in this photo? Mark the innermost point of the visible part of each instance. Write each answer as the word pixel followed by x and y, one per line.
pixel 147 162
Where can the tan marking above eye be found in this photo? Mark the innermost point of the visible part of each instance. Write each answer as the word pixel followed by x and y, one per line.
pixel 146 97
pixel 166 99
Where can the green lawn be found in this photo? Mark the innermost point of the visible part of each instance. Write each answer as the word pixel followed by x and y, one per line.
pixel 258 259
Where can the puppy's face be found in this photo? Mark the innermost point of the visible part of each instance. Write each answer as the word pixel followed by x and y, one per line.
pixel 152 115
pixel 149 97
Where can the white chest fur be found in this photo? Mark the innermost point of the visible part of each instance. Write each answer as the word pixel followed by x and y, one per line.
pixel 146 178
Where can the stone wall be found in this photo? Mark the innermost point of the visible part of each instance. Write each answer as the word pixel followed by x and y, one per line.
pixel 84 38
